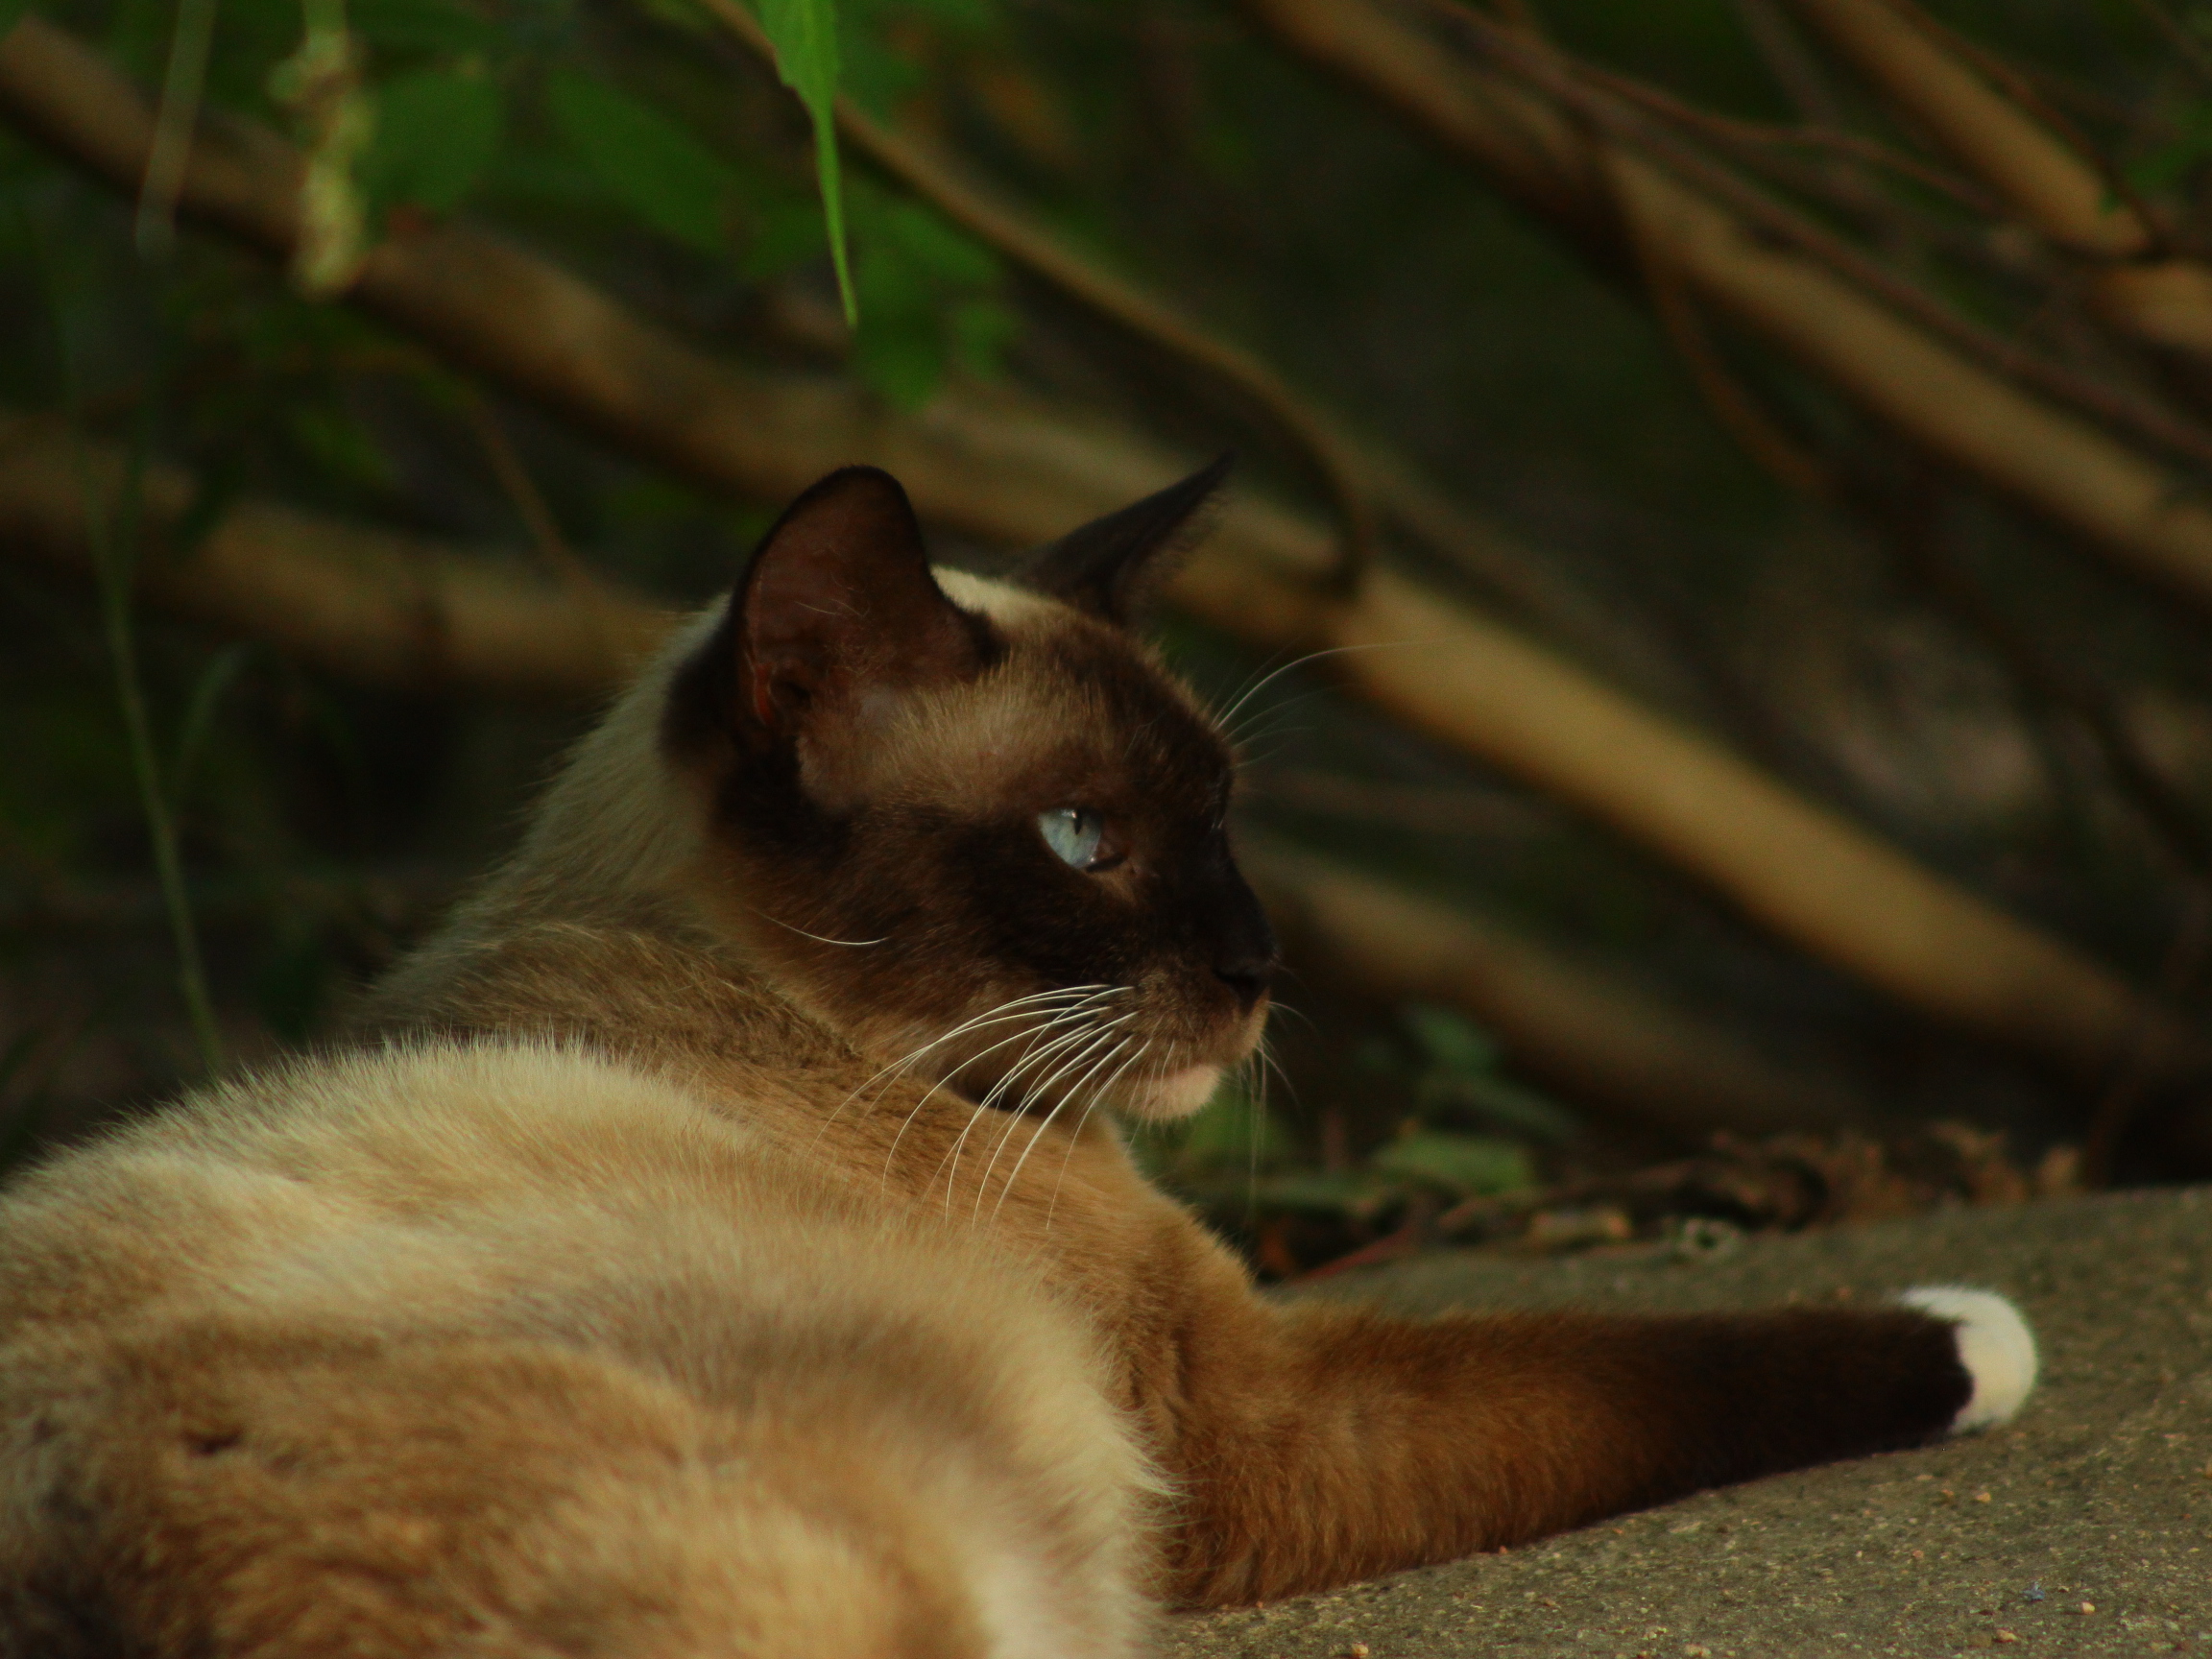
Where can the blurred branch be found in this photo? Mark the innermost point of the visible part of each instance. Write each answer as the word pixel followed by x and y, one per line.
pixel 1915 538
pixel 1009 470
pixel 1586 1032
pixel 369 604
pixel 2080 205
pixel 2178 36
pixel 1422 809
pixel 1765 276
pixel 915 163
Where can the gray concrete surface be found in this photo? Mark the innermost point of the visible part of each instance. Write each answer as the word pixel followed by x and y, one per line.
pixel 2085 1527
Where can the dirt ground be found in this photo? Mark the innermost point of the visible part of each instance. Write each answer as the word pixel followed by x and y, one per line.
pixel 2085 1527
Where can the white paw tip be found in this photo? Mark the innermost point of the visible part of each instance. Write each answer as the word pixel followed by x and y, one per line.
pixel 1994 1344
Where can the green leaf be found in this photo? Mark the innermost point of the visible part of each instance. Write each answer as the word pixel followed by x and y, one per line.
pixel 935 247
pixel 11 13
pixel 805 36
pixel 981 331
pixel 437 131
pixel 1506 1104
pixel 1463 1165
pixel 1313 1190
pixel 1450 1039
pixel 658 171
pixel 2167 165
pixel 419 25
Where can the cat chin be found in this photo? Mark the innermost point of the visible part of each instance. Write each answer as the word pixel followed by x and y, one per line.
pixel 1178 1095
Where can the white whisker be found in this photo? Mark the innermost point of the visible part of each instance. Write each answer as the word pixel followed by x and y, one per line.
pixel 1043 1052
pixel 1028 1033
pixel 1097 1096
pixel 1014 1174
pixel 989 1017
pixel 1099 1035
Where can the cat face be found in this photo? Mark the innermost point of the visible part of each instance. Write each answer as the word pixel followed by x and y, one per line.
pixel 975 822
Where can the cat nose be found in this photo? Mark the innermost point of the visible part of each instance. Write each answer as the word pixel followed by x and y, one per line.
pixel 1247 975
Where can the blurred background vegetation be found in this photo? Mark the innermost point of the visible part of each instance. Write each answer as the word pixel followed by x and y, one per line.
pixel 1719 577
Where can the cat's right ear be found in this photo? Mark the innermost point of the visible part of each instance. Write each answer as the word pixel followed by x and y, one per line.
pixel 839 599
pixel 1112 566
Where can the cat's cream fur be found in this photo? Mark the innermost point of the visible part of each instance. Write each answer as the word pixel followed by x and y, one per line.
pixel 514 1351
pixel 726 1255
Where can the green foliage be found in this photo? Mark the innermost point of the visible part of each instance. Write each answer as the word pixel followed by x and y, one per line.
pixel 1458 1075
pixel 428 28
pixel 1243 1166
pixel 12 12
pixel 805 36
pixel 438 131
pixel 663 175
pixel 927 292
pixel 1459 1165
pixel 2170 164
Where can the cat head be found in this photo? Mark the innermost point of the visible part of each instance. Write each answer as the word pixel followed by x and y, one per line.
pixel 974 819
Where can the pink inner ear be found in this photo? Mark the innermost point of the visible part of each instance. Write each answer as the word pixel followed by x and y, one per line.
pixel 841 596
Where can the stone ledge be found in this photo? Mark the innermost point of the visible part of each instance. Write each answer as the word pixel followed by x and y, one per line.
pixel 2099 1493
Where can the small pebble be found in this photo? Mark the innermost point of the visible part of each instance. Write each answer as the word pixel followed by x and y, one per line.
pixel 2088 1606
pixel 1980 1497
pixel 1358 1650
pixel 2007 1636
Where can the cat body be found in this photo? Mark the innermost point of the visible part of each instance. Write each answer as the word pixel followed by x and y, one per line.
pixel 726 1251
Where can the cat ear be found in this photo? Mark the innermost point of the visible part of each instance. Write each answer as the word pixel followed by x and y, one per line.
pixel 838 598
pixel 1112 566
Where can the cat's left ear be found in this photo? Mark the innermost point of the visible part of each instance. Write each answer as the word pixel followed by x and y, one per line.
pixel 839 600
pixel 1112 566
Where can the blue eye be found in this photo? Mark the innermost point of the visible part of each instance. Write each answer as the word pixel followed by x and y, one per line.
pixel 1074 834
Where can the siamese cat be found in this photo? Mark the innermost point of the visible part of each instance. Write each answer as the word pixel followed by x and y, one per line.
pixel 720 1241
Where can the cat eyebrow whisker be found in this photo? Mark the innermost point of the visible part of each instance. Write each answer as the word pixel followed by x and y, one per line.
pixel 1230 713
pixel 819 939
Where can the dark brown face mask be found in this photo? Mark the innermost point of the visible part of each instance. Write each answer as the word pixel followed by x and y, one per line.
pixel 945 802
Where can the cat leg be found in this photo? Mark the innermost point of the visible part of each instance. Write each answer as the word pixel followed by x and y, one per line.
pixel 225 1493
pixel 1316 1446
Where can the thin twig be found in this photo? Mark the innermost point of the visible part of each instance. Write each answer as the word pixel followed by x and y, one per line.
pixel 1419 808
pixel 1559 78
pixel 521 490
pixel 1760 134
pixel 2162 808
pixel 115 538
pixel 1793 68
pixel 2176 36
pixel 2023 91
pixel 155 230
pixel 1732 405
pixel 908 160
